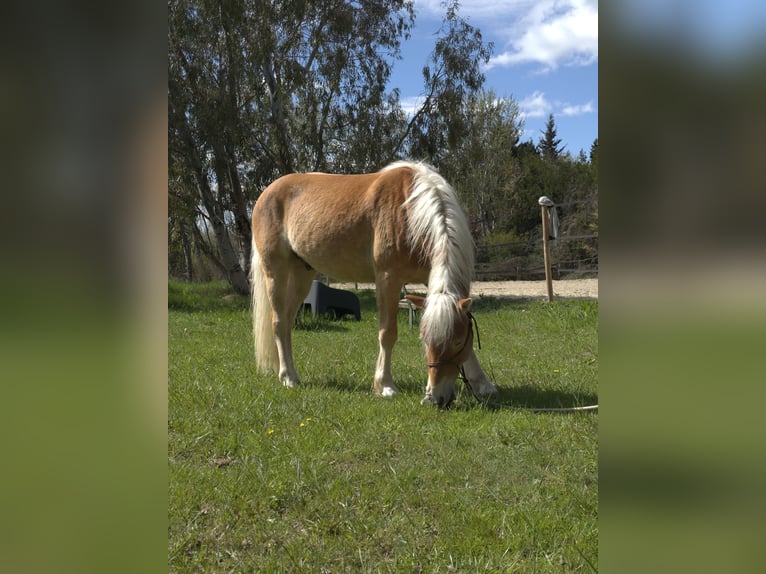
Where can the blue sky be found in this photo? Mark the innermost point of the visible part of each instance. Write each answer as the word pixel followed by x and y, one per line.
pixel 545 57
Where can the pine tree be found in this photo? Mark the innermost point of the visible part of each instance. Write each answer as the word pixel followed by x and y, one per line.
pixel 549 145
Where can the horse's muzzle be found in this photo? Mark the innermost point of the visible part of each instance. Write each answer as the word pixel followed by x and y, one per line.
pixel 443 402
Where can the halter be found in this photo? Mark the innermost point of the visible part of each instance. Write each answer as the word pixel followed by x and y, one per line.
pixel 452 359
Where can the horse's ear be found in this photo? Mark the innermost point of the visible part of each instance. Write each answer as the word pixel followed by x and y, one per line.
pixel 418 301
pixel 464 305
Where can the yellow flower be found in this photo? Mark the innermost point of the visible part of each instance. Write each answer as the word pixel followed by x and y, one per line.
pixel 303 424
pixel 270 431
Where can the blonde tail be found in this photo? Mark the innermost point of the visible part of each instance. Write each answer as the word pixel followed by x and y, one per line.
pixel 263 336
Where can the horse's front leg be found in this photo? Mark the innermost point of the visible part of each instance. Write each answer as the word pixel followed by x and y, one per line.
pixel 388 306
pixel 477 379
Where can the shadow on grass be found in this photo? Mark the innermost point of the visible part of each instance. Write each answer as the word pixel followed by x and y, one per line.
pixel 514 399
pixel 531 397
pixel 320 324
pixel 517 397
pixel 345 385
pixel 363 385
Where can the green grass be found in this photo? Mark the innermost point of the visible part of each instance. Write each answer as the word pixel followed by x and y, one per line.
pixel 329 478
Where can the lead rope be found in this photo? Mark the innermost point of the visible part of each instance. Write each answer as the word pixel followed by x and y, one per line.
pixel 474 323
pixel 495 405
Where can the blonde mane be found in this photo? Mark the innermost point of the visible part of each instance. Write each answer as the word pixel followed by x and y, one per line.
pixel 438 224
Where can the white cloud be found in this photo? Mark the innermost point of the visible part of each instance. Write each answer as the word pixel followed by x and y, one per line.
pixel 549 32
pixel 537 105
pixel 481 10
pixel 411 104
pixel 578 110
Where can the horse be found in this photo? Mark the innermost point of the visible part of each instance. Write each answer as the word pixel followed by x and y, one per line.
pixel 402 224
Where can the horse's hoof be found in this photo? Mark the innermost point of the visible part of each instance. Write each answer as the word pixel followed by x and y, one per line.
pixel 487 390
pixel 441 402
pixel 389 392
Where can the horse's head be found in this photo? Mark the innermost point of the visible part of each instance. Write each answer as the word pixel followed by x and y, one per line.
pixel 446 355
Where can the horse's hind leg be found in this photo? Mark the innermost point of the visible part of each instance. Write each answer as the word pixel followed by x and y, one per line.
pixel 287 289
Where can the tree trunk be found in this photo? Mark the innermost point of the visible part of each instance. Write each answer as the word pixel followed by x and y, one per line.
pixel 203 247
pixel 284 160
pixel 228 178
pixel 236 276
pixel 240 212
pixel 187 249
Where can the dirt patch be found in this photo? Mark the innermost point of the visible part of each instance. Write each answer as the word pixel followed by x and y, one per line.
pixel 581 288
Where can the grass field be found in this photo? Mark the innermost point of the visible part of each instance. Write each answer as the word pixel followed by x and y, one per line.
pixel 329 478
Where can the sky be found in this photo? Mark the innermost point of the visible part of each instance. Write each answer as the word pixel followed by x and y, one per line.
pixel 545 57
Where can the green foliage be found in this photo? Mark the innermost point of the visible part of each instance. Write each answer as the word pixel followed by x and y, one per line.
pixel 481 166
pixel 327 477
pixel 451 78
pixel 573 185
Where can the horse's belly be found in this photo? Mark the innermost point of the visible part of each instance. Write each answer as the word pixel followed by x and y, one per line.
pixel 353 259
pixel 347 267
pixel 347 259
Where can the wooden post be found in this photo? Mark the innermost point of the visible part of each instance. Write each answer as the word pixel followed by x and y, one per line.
pixel 545 204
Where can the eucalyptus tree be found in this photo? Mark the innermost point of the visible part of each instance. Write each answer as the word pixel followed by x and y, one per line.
pixel 485 169
pixel 452 75
pixel 258 88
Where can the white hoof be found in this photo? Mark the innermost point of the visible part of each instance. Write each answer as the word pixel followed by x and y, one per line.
pixel 290 382
pixel 389 392
pixel 486 389
pixel 428 400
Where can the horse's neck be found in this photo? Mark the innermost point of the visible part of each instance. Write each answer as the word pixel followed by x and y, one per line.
pixel 443 279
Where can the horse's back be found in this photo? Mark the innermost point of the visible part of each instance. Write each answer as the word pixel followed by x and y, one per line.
pixel 337 224
pixel 333 193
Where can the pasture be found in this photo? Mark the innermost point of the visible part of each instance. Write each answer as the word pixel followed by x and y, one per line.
pixel 327 477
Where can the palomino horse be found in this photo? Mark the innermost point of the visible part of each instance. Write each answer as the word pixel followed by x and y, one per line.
pixel 400 225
